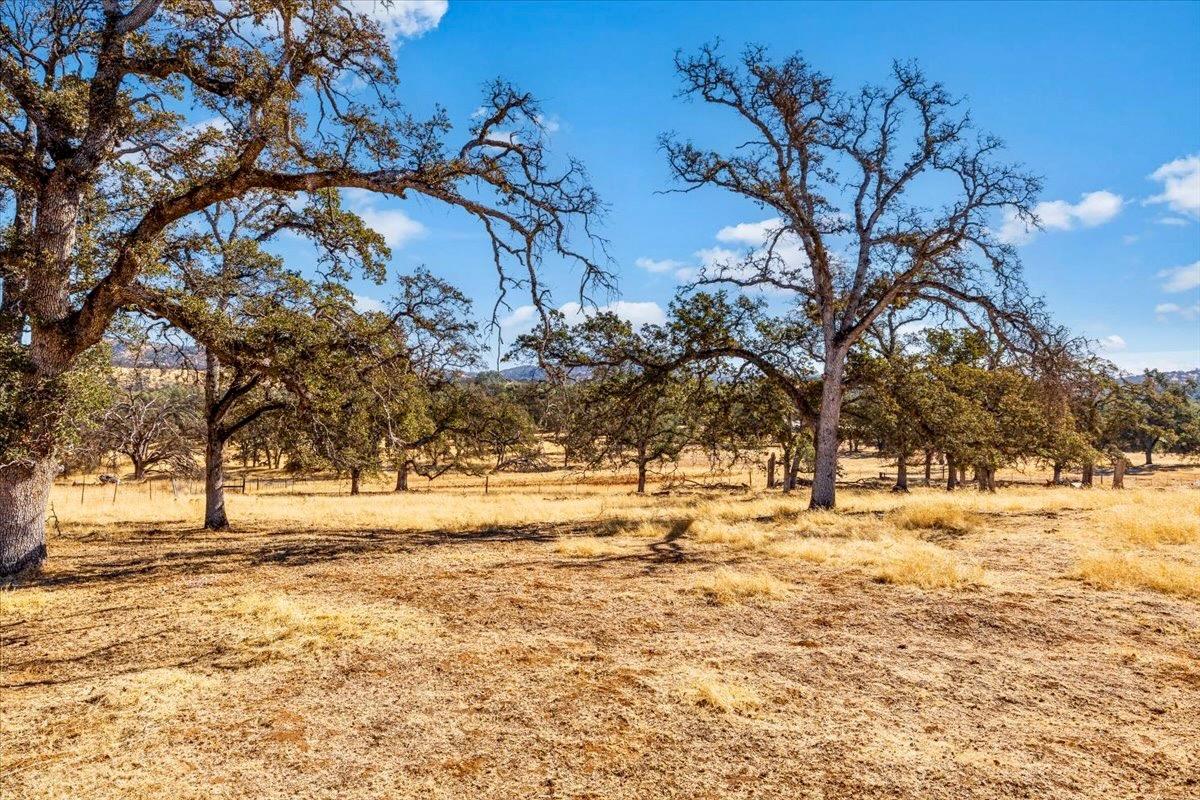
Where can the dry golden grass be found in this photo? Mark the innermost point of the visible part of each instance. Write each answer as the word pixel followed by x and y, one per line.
pixel 587 547
pixel 441 644
pixel 645 530
pixel 935 515
pixel 23 603
pixel 922 564
pixel 1109 570
pixel 281 626
pixel 889 559
pixel 714 691
pixel 736 535
pixel 724 586
pixel 1170 522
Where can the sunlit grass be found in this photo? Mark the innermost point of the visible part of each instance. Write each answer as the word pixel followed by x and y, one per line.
pixel 714 691
pixel 1111 570
pixel 586 547
pixel 725 586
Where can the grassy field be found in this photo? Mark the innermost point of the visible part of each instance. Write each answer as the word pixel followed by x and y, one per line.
pixel 560 637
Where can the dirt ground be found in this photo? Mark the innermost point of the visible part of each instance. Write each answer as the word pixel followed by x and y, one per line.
pixel 555 641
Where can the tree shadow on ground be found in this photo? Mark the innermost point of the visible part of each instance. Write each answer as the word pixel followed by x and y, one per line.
pixel 154 551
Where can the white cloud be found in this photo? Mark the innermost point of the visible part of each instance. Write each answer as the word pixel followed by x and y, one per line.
pixel 1097 208
pixel 749 233
pixel 1177 222
pixel 364 304
pixel 521 319
pixel 1165 310
pixel 1129 238
pixel 1181 279
pixel 1014 230
pixel 1093 208
pixel 1158 359
pixel 1180 181
pixel 405 17
pixel 549 124
pixel 1112 343
pixel 740 255
pixel 664 265
pixel 637 313
pixel 396 227
pixel 520 316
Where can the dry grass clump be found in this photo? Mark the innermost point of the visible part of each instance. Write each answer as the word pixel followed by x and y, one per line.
pixel 1164 523
pixel 710 691
pixel 273 626
pixel 892 559
pixel 738 535
pixel 586 547
pixel 818 551
pixel 922 564
pixel 724 586
pixel 935 516
pixel 1110 570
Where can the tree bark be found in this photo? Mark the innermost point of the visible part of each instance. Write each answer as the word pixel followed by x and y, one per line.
pixel 402 477
pixel 951 474
pixel 824 486
pixel 355 478
pixel 789 475
pixel 24 496
pixel 928 467
pixel 902 473
pixel 139 468
pixel 771 471
pixel 1057 479
pixel 1150 456
pixel 215 518
pixel 1088 470
pixel 1118 481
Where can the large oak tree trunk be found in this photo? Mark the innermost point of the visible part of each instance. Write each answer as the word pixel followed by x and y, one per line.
pixel 771 471
pixel 402 477
pixel 902 473
pixel 355 479
pixel 215 518
pixel 24 496
pixel 1118 472
pixel 1149 456
pixel 824 486
pixel 1089 470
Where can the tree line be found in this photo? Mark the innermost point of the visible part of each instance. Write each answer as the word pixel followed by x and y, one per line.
pixel 618 396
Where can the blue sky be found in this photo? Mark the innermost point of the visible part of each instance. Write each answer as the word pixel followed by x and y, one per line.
pixel 1102 100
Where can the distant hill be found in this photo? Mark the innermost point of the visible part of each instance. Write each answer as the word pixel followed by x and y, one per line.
pixel 529 372
pixel 1175 376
